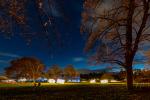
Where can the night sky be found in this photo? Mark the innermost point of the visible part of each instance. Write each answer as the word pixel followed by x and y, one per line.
pixel 67 49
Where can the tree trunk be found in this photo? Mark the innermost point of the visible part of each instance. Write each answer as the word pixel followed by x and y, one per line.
pixel 129 73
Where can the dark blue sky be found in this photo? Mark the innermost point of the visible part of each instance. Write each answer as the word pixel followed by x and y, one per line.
pixel 67 49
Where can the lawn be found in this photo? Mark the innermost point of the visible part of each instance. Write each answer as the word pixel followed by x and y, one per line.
pixel 72 92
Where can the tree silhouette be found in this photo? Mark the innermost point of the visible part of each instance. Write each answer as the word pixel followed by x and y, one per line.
pixel 118 28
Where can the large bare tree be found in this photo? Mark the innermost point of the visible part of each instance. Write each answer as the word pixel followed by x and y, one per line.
pixel 55 72
pixel 28 67
pixel 118 29
pixel 70 71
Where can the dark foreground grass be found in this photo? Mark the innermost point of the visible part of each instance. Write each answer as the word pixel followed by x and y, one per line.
pixel 74 92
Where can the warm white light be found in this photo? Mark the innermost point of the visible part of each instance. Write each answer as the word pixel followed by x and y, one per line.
pixel 93 81
pixel 74 80
pixel 51 81
pixel 104 81
pixel 9 81
pixel 113 81
pixel 22 80
pixel 60 81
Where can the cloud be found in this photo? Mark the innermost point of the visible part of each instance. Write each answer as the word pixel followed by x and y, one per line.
pixel 9 55
pixel 78 59
pixel 3 61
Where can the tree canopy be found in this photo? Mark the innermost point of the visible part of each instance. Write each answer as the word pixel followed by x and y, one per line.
pixel 27 67
pixel 15 18
pixel 70 71
pixel 118 29
pixel 55 72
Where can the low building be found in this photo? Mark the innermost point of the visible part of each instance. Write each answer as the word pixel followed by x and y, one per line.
pixel 41 79
pixel 92 81
pixel 104 81
pixel 22 80
pixel 8 81
pixel 3 78
pixel 51 81
pixel 106 78
pixel 74 80
pixel 60 81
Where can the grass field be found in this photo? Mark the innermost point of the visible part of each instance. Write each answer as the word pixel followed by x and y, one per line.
pixel 83 91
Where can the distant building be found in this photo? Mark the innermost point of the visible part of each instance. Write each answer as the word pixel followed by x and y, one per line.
pixel 74 79
pixel 104 81
pixel 22 80
pixel 51 81
pixel 3 78
pixel 107 78
pixel 8 81
pixel 41 79
pixel 92 81
pixel 60 81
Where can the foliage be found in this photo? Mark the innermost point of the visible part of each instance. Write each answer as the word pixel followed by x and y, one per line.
pixel 55 72
pixel 12 10
pixel 15 18
pixel 89 76
pixel 118 28
pixel 108 26
pixel 70 71
pixel 27 67
pixel 108 76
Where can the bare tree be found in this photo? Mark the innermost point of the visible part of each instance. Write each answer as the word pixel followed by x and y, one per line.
pixel 118 28
pixel 70 71
pixel 55 72
pixel 27 67
pixel 147 55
